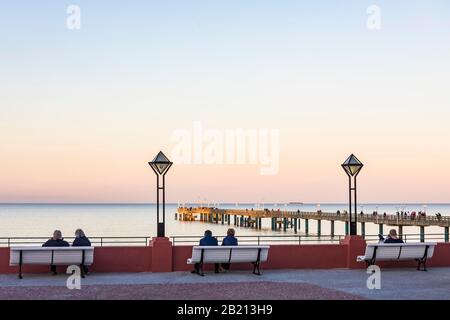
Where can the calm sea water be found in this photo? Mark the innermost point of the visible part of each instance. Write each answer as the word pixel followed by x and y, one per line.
pixel 139 220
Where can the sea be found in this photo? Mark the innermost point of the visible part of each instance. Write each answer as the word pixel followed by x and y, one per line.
pixel 139 220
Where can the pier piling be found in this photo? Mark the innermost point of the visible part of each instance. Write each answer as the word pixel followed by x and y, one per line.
pixel 332 228
pixel 319 227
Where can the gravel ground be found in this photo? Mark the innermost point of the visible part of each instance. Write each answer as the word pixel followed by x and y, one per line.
pixel 212 291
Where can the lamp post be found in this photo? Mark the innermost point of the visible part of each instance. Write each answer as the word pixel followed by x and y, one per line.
pixel 160 165
pixel 352 167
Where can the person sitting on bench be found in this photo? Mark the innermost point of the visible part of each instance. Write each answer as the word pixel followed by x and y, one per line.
pixel 56 241
pixel 81 241
pixel 207 240
pixel 229 240
pixel 392 237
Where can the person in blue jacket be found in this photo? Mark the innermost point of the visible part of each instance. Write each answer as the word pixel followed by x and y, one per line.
pixel 229 240
pixel 207 240
pixel 56 241
pixel 81 241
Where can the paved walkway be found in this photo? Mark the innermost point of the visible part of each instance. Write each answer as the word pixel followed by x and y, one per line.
pixel 273 284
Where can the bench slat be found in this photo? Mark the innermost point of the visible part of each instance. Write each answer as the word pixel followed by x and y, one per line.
pixel 49 255
pixel 397 251
pixel 221 254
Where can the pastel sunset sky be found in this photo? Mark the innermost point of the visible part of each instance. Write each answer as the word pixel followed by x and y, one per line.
pixel 83 111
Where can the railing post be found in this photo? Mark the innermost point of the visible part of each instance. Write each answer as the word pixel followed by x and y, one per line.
pixel 363 229
pixel 306 226
pixel 446 234
pixel 422 234
pixel 380 229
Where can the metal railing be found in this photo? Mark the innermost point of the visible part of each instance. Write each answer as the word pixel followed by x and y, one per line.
pixel 412 237
pixel 244 240
pixel 263 239
pixel 95 241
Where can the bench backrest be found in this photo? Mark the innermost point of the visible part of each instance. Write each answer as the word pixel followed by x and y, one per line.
pixel 232 254
pixel 51 255
pixel 400 251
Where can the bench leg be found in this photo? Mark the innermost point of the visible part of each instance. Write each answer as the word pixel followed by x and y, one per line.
pixel 256 269
pixel 422 262
pixel 370 263
pixel 20 264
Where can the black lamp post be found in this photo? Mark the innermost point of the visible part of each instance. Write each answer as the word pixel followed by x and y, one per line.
pixel 352 167
pixel 160 166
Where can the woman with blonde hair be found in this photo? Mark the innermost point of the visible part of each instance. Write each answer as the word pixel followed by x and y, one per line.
pixel 81 241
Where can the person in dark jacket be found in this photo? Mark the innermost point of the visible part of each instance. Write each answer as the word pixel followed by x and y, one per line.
pixel 207 240
pixel 229 240
pixel 392 237
pixel 56 241
pixel 81 241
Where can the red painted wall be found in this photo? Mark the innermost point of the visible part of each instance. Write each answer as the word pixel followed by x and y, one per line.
pixel 322 256
pixel 106 259
pixel 122 259
pixel 139 259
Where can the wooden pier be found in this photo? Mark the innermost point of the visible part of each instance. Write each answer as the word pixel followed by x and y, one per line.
pixel 283 220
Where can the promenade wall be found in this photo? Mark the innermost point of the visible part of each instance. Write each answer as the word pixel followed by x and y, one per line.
pixel 161 256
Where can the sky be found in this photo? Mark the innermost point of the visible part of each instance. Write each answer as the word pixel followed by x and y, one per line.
pixel 82 111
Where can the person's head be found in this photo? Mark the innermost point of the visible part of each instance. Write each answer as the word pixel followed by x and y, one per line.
pixel 208 233
pixel 230 232
pixel 79 233
pixel 57 235
pixel 393 233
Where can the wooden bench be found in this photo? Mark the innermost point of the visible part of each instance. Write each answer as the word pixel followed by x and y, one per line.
pixel 52 256
pixel 229 254
pixel 419 252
